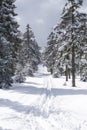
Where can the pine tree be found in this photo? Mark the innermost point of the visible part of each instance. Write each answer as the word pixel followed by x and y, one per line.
pixel 62 56
pixel 49 53
pixel 70 24
pixel 70 46
pixel 82 50
pixel 29 49
pixel 29 56
pixel 8 41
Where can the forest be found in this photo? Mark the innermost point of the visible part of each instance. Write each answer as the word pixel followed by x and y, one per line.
pixel 64 55
pixel 43 88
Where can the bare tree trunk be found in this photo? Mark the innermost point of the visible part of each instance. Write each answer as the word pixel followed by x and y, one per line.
pixel 73 65
pixel 73 52
pixel 66 73
pixel 69 73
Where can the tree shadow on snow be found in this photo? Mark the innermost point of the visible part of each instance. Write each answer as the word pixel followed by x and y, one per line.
pixel 41 75
pixel 32 83
pixel 54 91
pixel 63 92
pixel 29 90
pixel 25 109
pixel 4 129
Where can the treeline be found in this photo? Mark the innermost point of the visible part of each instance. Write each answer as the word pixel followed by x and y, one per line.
pixel 66 51
pixel 19 53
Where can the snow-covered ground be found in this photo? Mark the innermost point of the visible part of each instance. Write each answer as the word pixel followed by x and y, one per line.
pixel 44 103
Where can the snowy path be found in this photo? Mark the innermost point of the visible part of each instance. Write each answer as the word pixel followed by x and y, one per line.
pixel 43 103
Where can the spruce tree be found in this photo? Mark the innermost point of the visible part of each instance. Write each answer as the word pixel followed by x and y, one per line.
pixel 49 53
pixel 29 49
pixel 70 24
pixel 82 49
pixel 29 56
pixel 8 41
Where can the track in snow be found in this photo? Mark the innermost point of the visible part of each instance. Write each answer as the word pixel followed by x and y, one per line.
pixel 44 103
pixel 35 105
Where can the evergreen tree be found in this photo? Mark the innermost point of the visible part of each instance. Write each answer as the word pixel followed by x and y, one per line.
pixel 62 53
pixel 70 24
pixel 30 49
pixel 79 35
pixel 49 53
pixel 70 48
pixel 8 41
pixel 29 56
pixel 82 49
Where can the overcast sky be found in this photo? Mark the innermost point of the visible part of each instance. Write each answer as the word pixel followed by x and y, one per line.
pixel 42 15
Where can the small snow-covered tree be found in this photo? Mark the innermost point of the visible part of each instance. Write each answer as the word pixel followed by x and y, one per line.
pixel 49 53
pixel 62 53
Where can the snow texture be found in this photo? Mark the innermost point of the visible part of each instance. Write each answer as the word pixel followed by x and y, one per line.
pixel 44 103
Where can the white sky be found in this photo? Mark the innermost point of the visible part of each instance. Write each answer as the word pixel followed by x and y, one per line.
pixel 42 15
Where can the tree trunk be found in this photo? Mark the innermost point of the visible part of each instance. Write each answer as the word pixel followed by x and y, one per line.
pixel 51 70
pixel 73 51
pixel 73 65
pixel 66 73
pixel 69 73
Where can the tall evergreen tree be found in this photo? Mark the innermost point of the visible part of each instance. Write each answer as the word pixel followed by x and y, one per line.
pixel 71 42
pixel 70 24
pixel 62 54
pixel 31 48
pixel 29 56
pixel 8 41
pixel 82 49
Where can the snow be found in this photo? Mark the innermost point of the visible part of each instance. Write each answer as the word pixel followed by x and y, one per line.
pixel 44 103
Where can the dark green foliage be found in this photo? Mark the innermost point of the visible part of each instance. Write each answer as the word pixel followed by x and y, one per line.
pixel 49 54
pixel 70 24
pixel 29 56
pixel 70 46
pixel 8 42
